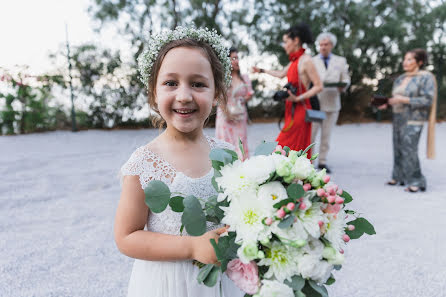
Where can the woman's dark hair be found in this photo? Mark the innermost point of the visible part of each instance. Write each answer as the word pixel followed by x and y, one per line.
pixel 420 55
pixel 302 31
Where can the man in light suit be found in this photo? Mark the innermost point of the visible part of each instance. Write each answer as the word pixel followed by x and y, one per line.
pixel 331 69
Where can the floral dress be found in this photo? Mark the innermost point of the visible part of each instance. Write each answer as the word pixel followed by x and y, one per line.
pixel 233 130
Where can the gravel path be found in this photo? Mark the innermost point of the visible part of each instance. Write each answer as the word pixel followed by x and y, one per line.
pixel 59 192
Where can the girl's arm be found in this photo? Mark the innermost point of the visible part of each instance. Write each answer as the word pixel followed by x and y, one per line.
pixel 275 73
pixel 133 241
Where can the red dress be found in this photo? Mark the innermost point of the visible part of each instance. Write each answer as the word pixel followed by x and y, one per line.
pixel 296 133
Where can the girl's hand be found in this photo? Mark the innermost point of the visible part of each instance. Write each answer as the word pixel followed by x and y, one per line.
pixel 202 249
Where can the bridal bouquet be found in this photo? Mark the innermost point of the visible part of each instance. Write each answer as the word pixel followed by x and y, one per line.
pixel 288 223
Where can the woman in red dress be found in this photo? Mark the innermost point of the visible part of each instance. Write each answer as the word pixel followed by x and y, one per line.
pixel 296 133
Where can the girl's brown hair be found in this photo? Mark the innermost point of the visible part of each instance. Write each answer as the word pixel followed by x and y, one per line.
pixel 216 66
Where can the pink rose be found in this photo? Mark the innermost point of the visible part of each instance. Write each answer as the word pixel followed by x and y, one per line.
pixel 245 276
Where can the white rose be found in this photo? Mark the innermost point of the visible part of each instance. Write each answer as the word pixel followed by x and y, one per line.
pixel 271 193
pixel 311 267
pixel 274 289
pixel 302 168
pixel 259 168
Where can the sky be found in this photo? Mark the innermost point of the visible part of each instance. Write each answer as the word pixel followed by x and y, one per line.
pixel 32 29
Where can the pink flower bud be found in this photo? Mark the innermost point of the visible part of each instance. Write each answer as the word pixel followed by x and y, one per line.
pixel 340 191
pixel 320 223
pixel 268 221
pixel 341 251
pixel 332 191
pixel 281 213
pixel 351 227
pixel 278 148
pixel 283 153
pixel 346 238
pixel 326 179
pixel 302 206
pixel 339 200
pixel 320 192
pixel 307 187
pixel 331 199
pixel 290 206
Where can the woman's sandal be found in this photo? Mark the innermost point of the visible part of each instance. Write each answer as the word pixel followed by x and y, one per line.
pixel 394 182
pixel 414 189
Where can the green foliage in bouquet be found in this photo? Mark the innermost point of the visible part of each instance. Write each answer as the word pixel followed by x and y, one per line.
pixel 301 184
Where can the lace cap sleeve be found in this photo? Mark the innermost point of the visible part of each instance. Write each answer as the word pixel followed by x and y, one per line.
pixel 148 166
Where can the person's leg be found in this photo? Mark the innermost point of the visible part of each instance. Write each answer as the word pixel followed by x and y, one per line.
pixel 314 132
pixel 397 131
pixel 410 161
pixel 327 126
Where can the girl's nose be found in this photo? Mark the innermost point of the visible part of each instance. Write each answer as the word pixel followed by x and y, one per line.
pixel 184 94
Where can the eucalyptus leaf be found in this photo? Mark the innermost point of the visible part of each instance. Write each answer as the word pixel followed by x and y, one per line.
pixel 176 204
pixel 265 148
pixel 233 154
pixel 193 218
pixel 283 202
pixel 299 294
pixel 363 225
pixel 297 283
pixel 320 289
pixel 204 272
pixel 287 222
pixel 212 277
pixel 220 155
pixel 347 197
pixel 157 196
pixel 295 191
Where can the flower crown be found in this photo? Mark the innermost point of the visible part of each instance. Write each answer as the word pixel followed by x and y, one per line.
pixel 157 41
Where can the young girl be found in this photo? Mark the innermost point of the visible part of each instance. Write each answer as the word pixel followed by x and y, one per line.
pixel 185 71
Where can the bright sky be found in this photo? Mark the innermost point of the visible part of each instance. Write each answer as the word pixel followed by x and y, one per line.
pixel 31 29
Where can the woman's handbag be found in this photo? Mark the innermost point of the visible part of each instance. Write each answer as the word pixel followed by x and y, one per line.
pixel 314 115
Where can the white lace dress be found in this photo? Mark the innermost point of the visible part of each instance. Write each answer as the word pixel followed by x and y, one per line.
pixel 176 278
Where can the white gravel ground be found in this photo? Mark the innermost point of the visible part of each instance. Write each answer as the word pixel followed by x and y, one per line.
pixel 59 192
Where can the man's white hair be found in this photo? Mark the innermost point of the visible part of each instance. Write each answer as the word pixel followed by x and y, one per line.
pixel 326 35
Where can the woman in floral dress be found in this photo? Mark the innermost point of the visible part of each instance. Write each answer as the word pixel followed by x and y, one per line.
pixel 231 125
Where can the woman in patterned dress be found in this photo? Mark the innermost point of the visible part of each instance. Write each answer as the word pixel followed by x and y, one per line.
pixel 231 125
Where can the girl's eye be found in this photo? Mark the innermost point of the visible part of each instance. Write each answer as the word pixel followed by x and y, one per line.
pixel 170 83
pixel 198 85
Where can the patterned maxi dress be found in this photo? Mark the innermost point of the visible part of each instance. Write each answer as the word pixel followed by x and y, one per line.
pixel 172 278
pixel 231 130
pixel 408 121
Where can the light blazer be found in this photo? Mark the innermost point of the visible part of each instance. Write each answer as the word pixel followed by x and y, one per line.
pixel 337 71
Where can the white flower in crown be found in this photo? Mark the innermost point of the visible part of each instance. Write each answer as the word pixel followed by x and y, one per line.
pixel 282 261
pixel 157 41
pixel 274 289
pixel 245 216
pixel 335 229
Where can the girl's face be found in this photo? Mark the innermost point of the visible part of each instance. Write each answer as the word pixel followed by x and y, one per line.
pixel 234 61
pixel 290 45
pixel 185 89
pixel 409 63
